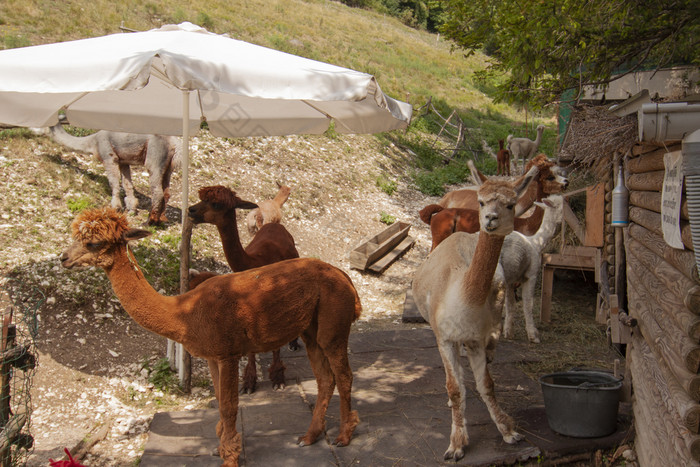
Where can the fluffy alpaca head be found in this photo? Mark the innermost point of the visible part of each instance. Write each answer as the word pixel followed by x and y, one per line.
pixel 96 234
pixel 550 178
pixel 100 225
pixel 497 198
pixel 217 204
pixel 219 194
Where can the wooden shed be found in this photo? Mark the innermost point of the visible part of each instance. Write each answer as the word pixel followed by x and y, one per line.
pixel 649 265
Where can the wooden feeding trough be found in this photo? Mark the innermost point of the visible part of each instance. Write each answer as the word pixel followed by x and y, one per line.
pixel 378 252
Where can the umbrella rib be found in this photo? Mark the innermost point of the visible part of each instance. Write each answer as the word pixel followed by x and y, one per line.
pixel 327 115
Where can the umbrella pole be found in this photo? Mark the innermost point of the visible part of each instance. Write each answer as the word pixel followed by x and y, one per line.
pixel 183 358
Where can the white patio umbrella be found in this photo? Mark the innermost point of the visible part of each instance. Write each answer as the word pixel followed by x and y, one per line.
pixel 168 80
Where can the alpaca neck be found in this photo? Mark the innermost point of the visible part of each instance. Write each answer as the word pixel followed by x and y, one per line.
pixel 479 276
pixel 545 233
pixel 533 193
pixel 280 198
pixel 539 137
pixel 83 144
pixel 153 311
pixel 236 256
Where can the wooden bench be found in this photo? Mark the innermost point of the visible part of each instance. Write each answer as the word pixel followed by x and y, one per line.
pixel 579 258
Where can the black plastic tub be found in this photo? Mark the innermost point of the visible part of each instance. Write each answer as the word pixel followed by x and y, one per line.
pixel 582 404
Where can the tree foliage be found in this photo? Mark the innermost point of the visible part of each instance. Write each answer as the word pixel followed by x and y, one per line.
pixel 544 47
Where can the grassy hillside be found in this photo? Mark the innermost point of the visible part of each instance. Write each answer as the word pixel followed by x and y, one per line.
pixel 410 65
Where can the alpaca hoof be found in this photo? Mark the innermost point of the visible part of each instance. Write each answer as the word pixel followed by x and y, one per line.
pixel 535 340
pixel 278 386
pixel 455 454
pixel 512 438
pixel 246 389
pixel 215 452
pixel 294 345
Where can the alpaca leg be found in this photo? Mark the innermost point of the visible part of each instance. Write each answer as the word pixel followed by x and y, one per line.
pixel 114 178
pixel 214 370
pixel 338 360
pixel 484 384
pixel 509 312
pixel 454 374
pixel 132 203
pixel 157 197
pixel 250 376
pixel 528 297
pixel 276 371
pixel 325 384
pixel 230 439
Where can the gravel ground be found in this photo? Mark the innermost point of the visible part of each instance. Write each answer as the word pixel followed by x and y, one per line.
pixel 94 362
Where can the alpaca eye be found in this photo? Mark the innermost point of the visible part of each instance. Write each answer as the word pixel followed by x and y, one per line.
pixel 93 245
pixel 216 206
pixel 481 203
pixel 511 206
pixel 550 178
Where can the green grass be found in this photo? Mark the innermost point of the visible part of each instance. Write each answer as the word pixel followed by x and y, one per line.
pixel 409 64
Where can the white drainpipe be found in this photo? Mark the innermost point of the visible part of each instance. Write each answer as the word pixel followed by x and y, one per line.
pixel 691 169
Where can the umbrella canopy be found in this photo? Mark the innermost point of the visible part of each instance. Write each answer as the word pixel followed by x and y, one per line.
pixel 134 82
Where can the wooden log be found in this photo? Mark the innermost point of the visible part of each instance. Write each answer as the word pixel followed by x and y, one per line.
pixel 653 442
pixel 660 322
pixel 652 221
pixel 642 148
pixel 647 181
pixel 688 381
pixel 683 260
pixel 640 308
pixel 661 427
pixel 651 161
pixel 672 394
pixel 682 288
pixel 651 200
pixel 686 319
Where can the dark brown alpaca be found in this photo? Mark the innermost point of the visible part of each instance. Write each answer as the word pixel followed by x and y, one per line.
pixel 271 244
pixel 503 159
pixel 230 315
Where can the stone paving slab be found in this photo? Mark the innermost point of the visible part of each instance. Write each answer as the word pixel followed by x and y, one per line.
pixel 399 392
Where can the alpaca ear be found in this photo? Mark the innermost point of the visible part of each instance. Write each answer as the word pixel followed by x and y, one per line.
pixel 241 204
pixel 478 177
pixel 136 234
pixel 522 183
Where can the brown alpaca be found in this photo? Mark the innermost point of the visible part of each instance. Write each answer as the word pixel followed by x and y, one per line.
pixel 503 159
pixel 230 315
pixel 550 181
pixel 268 211
pixel 445 222
pixel 271 244
pixel 459 290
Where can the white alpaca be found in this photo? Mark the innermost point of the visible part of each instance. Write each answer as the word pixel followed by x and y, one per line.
pixel 521 258
pixel 459 291
pixel 524 148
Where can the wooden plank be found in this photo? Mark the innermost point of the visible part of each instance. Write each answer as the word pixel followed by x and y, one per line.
pixel 377 246
pixel 561 261
pixel 595 215
pixel 410 310
pixel 383 263
pixel 571 219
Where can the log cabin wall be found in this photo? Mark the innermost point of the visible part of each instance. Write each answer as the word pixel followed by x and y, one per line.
pixel 663 294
